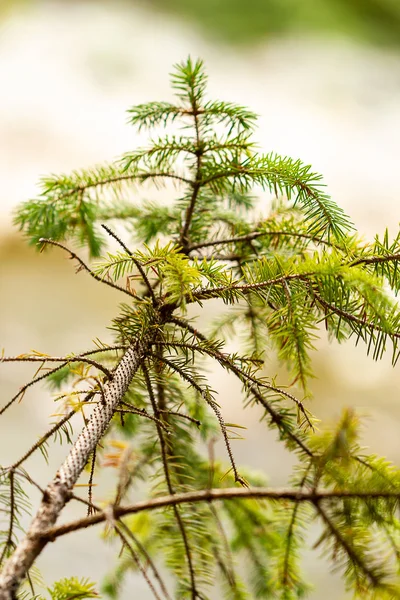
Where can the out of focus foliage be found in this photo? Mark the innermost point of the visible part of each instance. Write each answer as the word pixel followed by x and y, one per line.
pixel 235 21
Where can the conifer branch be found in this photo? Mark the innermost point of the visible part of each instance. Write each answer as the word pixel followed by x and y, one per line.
pixel 164 454
pixel 253 389
pixel 205 394
pixel 215 494
pixel 142 549
pixel 128 409
pixel 136 262
pixel 298 267
pixel 254 235
pixel 243 289
pixel 126 543
pixel 83 265
pixel 351 552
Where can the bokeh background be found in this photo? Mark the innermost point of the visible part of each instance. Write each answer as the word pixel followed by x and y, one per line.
pixel 324 76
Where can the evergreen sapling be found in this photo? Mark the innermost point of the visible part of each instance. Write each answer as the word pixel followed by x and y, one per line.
pixel 282 279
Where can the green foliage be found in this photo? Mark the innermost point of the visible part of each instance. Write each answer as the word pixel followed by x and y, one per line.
pixel 65 589
pixel 283 276
pixel 376 21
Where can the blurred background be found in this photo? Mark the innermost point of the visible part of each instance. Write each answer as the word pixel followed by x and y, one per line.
pixel 324 76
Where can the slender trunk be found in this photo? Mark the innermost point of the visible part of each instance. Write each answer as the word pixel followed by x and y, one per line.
pixel 58 491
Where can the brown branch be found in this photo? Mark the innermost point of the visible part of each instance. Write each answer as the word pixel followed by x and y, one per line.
pixel 45 358
pixel 43 439
pixel 352 318
pixel 136 262
pixel 147 556
pixel 348 549
pixel 369 260
pixel 206 293
pixel 84 266
pixel 141 412
pixel 243 376
pixel 116 179
pixel 214 407
pixel 256 234
pixel 175 413
pixel 212 495
pixel 28 385
pixel 136 558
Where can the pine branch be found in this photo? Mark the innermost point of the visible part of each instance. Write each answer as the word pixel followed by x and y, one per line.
pixel 212 495
pixel 164 455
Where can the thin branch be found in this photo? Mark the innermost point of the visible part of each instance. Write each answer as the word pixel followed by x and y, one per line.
pixel 45 358
pixel 370 260
pixel 28 385
pixel 290 533
pixel 142 412
pixel 256 234
pixel 171 490
pixel 84 266
pixel 118 178
pixel 215 494
pixel 275 416
pixel 229 571
pixel 66 360
pixel 175 413
pixel 214 407
pixel 43 439
pixel 136 262
pixel 350 551
pixel 207 293
pixel 225 361
pixel 352 318
pixel 143 550
pixel 136 559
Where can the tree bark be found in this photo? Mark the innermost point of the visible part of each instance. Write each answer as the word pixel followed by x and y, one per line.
pixel 58 491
